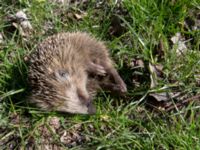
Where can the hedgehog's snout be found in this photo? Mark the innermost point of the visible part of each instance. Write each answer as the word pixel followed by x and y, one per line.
pixel 87 101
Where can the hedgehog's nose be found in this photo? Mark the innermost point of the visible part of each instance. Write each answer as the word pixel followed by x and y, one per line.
pixel 91 108
pixel 86 100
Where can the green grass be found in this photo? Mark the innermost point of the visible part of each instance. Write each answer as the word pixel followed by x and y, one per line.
pixel 120 123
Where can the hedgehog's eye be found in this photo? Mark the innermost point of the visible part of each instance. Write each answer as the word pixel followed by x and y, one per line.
pixel 61 74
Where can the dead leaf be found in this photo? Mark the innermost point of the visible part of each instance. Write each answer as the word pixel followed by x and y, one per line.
pixel 165 100
pixel 20 22
pixel 80 15
pixel 160 96
pixel 176 38
pixel 54 122
pixel 165 96
pixel 136 63
pixel 179 43
pixel 155 74
pixel 65 138
pixel 21 31
pixel 192 22
pixel 48 26
pixel 184 101
pixel 23 20
pixel 26 25
pixel 197 78
pixel 140 63
pixel 1 38
pixel 62 2
pixel 44 133
pixel 71 139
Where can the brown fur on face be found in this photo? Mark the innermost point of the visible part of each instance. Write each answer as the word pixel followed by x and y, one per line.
pixel 59 72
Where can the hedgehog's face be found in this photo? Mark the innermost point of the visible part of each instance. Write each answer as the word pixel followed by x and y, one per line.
pixel 72 89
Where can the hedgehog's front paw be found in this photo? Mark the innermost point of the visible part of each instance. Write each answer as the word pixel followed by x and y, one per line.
pixel 114 88
pixel 123 88
pixel 96 69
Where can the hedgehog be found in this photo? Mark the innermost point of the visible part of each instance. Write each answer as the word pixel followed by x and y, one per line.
pixel 64 73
